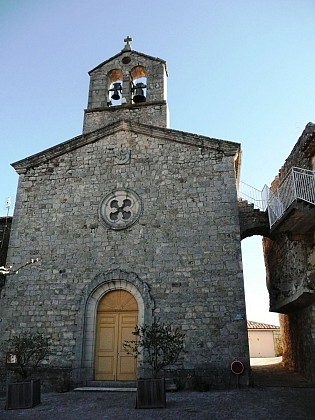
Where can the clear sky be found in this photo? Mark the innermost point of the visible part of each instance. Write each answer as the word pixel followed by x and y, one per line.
pixel 240 70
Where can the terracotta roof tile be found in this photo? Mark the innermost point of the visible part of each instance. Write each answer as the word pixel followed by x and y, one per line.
pixel 260 326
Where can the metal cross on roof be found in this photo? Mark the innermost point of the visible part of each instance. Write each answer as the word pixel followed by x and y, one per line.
pixel 127 40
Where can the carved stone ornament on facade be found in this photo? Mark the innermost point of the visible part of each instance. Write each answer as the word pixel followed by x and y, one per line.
pixel 120 209
pixel 122 157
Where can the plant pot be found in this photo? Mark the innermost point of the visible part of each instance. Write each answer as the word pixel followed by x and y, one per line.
pixel 23 394
pixel 151 393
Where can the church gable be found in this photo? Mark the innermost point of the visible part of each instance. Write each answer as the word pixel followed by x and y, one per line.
pixel 154 133
pixel 163 167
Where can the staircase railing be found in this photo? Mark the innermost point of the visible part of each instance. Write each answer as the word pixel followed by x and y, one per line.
pixel 252 195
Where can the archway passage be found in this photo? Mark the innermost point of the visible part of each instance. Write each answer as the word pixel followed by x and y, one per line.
pixel 117 316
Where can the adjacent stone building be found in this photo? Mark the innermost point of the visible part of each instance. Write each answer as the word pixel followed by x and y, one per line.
pixel 290 253
pixel 131 221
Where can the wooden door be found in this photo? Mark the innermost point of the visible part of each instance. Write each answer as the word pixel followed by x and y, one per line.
pixel 117 317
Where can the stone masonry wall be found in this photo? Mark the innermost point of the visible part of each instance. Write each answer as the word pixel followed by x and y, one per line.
pixel 288 266
pixel 300 156
pixel 150 114
pixel 252 221
pixel 298 341
pixel 185 247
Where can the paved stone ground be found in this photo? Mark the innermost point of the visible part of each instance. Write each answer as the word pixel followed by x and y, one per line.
pixel 254 403
pixel 274 374
pixel 276 395
pixel 258 361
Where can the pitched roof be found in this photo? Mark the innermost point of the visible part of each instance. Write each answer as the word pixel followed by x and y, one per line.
pixel 251 325
pixel 227 147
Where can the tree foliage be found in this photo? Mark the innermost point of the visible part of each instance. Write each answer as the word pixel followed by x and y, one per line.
pixel 159 344
pixel 31 349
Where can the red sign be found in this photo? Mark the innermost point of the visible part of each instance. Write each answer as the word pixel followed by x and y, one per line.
pixel 237 367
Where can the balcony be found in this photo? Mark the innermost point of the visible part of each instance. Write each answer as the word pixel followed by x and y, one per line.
pixel 291 207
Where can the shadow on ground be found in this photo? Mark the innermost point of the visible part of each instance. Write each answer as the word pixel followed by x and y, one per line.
pixel 276 375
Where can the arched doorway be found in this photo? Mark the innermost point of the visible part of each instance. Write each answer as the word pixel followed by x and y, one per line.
pixel 117 316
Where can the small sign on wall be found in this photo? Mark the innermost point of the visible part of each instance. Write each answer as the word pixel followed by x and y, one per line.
pixel 11 359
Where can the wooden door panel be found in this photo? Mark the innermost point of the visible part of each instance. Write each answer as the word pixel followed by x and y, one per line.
pixel 107 339
pixel 126 366
pixel 106 347
pixel 106 365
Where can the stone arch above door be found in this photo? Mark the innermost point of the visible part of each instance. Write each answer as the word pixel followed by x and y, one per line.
pixel 102 284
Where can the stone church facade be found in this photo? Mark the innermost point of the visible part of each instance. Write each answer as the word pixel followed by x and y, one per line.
pixel 131 221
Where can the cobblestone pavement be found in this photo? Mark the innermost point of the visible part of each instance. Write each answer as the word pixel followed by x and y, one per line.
pixel 277 394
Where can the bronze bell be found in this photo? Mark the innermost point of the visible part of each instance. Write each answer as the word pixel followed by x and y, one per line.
pixel 139 96
pixel 116 89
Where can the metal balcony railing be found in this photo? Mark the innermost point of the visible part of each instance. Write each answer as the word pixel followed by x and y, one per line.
pixel 299 184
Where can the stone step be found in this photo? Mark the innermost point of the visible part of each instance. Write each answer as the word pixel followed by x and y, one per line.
pixel 119 386
pixel 104 389
pixel 112 384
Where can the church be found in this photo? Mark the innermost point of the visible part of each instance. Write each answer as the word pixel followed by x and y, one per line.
pixel 131 222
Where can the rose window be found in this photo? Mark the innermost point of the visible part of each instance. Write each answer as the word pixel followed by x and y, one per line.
pixel 120 209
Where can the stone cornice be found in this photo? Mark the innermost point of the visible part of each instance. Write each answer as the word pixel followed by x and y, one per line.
pixel 124 107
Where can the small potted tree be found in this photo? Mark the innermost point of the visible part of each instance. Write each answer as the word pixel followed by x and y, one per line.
pixel 26 354
pixel 158 345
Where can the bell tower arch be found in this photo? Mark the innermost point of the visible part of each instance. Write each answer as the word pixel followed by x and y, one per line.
pixel 128 86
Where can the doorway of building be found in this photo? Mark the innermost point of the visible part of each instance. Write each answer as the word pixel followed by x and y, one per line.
pixel 117 316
